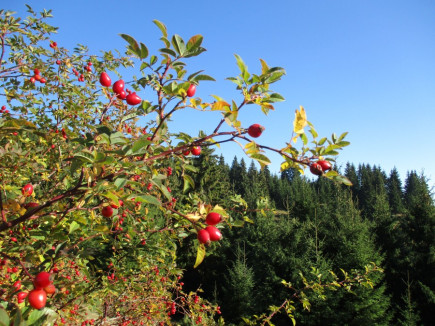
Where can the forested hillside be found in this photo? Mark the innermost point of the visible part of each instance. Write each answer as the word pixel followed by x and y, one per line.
pixel 297 225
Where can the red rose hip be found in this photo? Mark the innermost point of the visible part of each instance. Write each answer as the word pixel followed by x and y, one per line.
pixel 118 87
pixel 27 190
pixel 203 236
pixel 326 166
pixel 215 234
pixel 316 169
pixel 255 130
pixel 107 211
pixel 213 218
pixel 191 90
pixel 105 80
pixel 133 99
pixel 37 298
pixel 196 150
pixel 42 280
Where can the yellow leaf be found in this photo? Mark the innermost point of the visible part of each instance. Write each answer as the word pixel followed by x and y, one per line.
pixel 193 217
pixel 264 66
pixel 220 106
pixel 199 255
pixel 300 121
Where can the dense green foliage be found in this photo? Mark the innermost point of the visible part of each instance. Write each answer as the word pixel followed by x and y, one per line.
pixel 99 197
pixel 305 226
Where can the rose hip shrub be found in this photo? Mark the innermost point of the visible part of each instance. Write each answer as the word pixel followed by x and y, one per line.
pixel 86 167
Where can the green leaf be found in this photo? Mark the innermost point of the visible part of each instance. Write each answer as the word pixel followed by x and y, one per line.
pixel 143 51
pixel 178 44
pixel 203 77
pixel 99 157
pixel 117 138
pixel 19 321
pixel 73 226
pixel 188 183
pixel 162 27
pixel 260 158
pixel 194 42
pixel 275 97
pixel 134 46
pixel 147 199
pixel 243 68
pixel 85 157
pixel 168 51
pixel 129 117
pixel 139 144
pixel 4 318
pixel 120 182
pixel 191 168
pixel 200 255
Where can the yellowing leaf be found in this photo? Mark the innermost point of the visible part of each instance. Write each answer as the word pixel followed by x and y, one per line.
pixel 193 217
pixel 300 121
pixel 199 255
pixel 220 106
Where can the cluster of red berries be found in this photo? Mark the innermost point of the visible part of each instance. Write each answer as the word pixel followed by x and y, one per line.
pixel 211 232
pixel 319 167
pixel 118 88
pixel 81 77
pixel 3 110
pixel 37 77
pixel 53 45
pixel 88 67
pixel 42 286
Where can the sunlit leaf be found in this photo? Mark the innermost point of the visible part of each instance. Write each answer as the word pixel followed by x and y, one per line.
pixel 300 121
pixel 200 255
pixel 161 26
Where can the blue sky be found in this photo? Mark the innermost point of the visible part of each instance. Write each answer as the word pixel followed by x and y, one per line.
pixel 362 66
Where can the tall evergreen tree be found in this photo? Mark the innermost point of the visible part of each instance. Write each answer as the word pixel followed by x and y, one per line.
pixel 395 192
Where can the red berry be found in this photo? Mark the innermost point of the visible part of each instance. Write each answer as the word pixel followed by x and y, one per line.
pixel 133 99
pixel 196 150
pixel 255 130
pixel 42 280
pixel 316 169
pixel 122 95
pixel 32 80
pixel 27 190
pixel 326 165
pixel 17 285
pixel 50 289
pixel 191 90
pixel 213 218
pixel 43 80
pixel 21 296
pixel 215 234
pixel 37 77
pixel 203 236
pixel 105 80
pixel 118 86
pixel 107 211
pixel 186 152
pixel 37 298
pixel 36 71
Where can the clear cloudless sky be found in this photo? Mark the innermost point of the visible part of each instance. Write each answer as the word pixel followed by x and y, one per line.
pixel 362 66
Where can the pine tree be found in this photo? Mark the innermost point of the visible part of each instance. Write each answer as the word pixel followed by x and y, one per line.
pixel 395 192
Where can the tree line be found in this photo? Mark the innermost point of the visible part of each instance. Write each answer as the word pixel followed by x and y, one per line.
pixel 299 227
